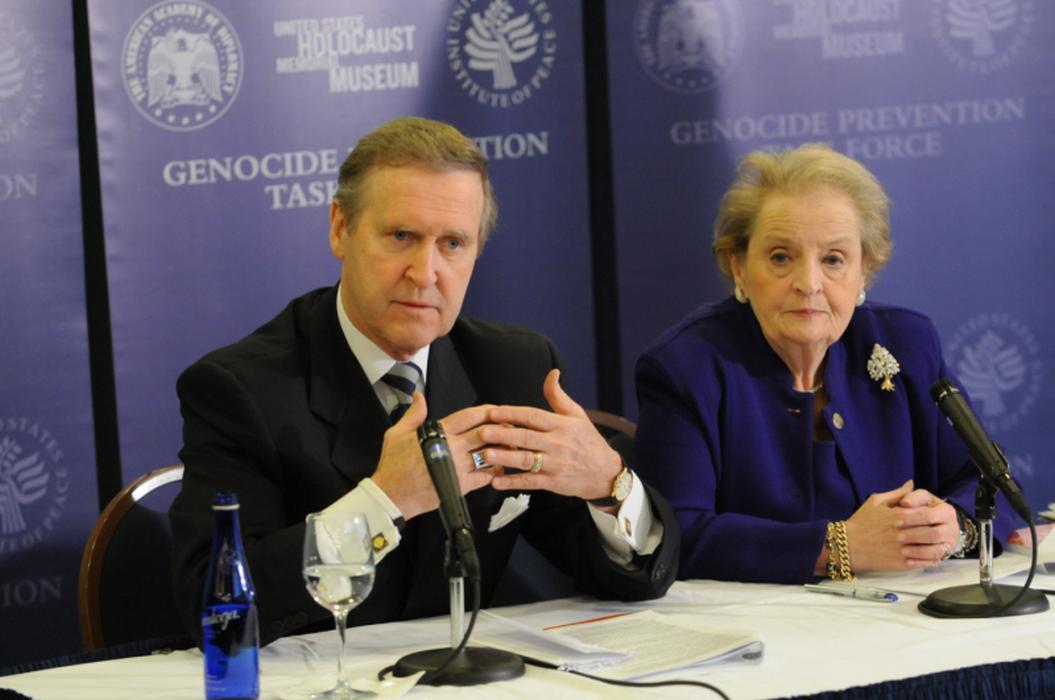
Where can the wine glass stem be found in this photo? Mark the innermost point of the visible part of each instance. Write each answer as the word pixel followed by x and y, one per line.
pixel 342 621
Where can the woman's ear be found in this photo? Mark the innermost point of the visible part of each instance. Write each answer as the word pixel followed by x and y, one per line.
pixel 736 266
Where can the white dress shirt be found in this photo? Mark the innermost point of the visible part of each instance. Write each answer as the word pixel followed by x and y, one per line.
pixel 632 529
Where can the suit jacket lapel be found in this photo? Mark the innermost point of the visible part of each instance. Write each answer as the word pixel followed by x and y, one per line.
pixel 341 395
pixel 868 461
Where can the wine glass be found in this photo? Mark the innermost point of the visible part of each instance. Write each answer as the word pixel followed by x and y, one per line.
pixel 339 573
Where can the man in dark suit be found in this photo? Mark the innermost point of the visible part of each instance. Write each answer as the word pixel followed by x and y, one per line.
pixel 318 410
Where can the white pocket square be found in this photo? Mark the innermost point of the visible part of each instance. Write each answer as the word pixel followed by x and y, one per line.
pixel 511 509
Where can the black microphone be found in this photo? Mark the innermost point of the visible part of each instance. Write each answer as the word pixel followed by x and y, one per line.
pixel 985 453
pixel 453 511
pixel 460 664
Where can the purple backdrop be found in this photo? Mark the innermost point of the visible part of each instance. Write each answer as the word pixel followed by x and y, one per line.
pixel 216 183
pixel 950 103
pixel 216 187
pixel 47 459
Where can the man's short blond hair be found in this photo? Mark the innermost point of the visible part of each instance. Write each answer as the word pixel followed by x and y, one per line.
pixel 409 141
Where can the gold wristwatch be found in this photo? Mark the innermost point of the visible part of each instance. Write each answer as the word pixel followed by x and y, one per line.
pixel 620 489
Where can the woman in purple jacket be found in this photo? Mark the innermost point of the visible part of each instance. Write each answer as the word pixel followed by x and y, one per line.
pixel 790 425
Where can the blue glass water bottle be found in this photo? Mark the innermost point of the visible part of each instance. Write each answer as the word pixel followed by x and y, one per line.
pixel 230 634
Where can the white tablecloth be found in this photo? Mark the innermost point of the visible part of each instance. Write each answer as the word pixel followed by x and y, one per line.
pixel 813 642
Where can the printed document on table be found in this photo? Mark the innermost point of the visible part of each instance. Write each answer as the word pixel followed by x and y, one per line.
pixel 560 650
pixel 638 644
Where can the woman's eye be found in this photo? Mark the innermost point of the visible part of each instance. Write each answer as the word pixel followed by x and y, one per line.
pixel 833 260
pixel 400 235
pixel 453 244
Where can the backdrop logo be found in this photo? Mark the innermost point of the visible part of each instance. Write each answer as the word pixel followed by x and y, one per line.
pixel 1023 465
pixel 501 51
pixel 33 485
pixel 21 79
pixel 182 64
pixel 688 45
pixel 998 361
pixel 981 36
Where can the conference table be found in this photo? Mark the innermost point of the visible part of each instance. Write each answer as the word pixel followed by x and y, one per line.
pixel 813 643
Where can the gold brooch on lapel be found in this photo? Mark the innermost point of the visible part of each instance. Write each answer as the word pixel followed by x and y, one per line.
pixel 882 365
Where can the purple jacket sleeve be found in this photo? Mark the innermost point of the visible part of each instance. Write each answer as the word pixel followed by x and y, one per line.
pixel 678 450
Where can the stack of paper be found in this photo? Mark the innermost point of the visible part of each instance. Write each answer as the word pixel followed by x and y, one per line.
pixel 625 646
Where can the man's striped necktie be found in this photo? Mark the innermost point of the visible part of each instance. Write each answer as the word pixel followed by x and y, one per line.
pixel 402 380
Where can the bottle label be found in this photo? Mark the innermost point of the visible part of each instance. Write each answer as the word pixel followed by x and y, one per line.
pixel 230 642
pixel 219 619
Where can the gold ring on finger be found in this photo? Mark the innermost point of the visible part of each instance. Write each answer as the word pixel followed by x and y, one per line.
pixel 536 466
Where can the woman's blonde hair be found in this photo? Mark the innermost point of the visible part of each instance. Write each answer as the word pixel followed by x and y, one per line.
pixel 799 171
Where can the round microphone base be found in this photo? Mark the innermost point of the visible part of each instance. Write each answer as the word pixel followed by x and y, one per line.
pixel 976 600
pixel 473 666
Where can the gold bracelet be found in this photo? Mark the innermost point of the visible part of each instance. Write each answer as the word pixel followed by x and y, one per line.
pixel 846 571
pixel 840 570
pixel 829 542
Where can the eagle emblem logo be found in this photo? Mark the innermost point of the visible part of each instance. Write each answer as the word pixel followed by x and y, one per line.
pixel 183 69
pixel 689 45
pixel 182 65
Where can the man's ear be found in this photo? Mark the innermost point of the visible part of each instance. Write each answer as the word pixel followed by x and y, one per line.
pixel 338 230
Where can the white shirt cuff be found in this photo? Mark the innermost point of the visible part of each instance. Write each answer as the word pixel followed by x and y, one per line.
pixel 368 498
pixel 632 529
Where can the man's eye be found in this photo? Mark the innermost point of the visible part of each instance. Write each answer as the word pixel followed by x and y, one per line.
pixel 401 235
pixel 780 257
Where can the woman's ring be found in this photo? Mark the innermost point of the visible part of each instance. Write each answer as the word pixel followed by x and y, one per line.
pixel 536 466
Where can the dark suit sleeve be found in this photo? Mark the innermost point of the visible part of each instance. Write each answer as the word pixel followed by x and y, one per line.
pixel 562 529
pixel 227 446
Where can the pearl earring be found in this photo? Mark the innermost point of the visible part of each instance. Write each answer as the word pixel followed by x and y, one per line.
pixel 860 298
pixel 739 294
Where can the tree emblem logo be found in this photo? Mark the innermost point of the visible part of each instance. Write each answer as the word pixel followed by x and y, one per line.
pixel 981 36
pixel 23 481
pixel 182 65
pixel 33 483
pixel 997 360
pixel 991 368
pixel 496 42
pixel 21 80
pixel 501 55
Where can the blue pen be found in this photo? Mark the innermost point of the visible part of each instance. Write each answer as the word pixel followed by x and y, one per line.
pixel 861 592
